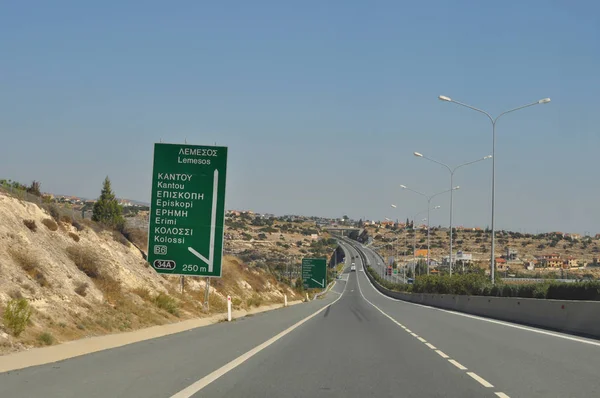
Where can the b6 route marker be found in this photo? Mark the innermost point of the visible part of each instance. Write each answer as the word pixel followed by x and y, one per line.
pixel 187 210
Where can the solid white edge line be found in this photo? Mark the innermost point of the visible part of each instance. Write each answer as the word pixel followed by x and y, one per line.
pixel 442 354
pixel 457 364
pixel 503 323
pixel 209 378
pixel 502 395
pixel 431 346
pixel 480 379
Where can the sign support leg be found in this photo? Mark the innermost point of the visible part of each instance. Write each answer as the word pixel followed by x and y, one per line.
pixel 206 293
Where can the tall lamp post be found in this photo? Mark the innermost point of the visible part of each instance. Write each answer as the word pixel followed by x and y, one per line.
pixel 452 171
pixel 493 120
pixel 415 236
pixel 428 197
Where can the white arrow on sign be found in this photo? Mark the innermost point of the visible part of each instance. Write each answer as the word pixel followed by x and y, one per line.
pixel 322 284
pixel 211 251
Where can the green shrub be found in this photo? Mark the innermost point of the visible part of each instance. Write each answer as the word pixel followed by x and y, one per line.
pixel 46 338
pixel 167 303
pixel 574 291
pixel 255 300
pixel 16 315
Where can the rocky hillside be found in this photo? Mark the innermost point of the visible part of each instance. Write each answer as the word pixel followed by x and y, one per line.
pixel 81 280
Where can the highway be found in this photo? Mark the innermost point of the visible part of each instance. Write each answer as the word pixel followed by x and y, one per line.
pixel 354 342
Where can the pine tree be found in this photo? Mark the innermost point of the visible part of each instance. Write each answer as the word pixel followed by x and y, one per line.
pixel 107 209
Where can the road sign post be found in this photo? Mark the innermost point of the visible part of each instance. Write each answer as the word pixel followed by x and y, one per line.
pixel 314 273
pixel 187 209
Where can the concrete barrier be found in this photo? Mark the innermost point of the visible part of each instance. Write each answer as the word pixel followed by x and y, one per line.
pixel 569 316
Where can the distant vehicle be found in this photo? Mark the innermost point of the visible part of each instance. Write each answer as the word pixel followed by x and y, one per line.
pixel 410 281
pixel 388 271
pixel 353 264
pixel 353 268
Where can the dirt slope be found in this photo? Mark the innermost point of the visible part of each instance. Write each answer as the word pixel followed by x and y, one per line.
pixel 81 280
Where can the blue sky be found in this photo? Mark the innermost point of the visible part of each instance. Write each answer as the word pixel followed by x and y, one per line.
pixel 321 103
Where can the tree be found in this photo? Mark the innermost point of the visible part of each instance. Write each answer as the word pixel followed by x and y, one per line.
pixel 34 188
pixel 107 209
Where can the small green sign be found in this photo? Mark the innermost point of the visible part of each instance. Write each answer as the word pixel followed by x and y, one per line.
pixel 314 273
pixel 187 210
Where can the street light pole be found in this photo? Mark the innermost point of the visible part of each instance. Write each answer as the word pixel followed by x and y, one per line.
pixel 452 171
pixel 415 238
pixel 493 120
pixel 429 198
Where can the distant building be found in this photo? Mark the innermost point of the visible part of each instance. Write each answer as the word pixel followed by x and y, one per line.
pixel 501 264
pixel 466 258
pixel 552 260
pixel 421 253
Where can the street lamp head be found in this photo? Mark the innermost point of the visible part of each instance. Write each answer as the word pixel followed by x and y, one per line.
pixel 387 219
pixel 544 101
pixel 444 98
pixel 417 154
pixel 456 187
pixel 403 186
pixel 487 157
pixel 394 206
pixel 437 207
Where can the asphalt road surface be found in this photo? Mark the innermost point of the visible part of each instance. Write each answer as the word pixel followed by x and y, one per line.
pixel 354 342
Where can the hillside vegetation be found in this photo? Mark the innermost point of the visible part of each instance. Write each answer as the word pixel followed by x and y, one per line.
pixel 62 280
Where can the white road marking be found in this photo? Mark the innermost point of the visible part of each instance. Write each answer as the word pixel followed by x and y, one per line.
pixel 457 364
pixel 414 334
pixel 421 339
pixel 476 377
pixel 442 354
pixel 503 323
pixel 502 395
pixel 480 379
pixel 430 346
pixel 206 380
pixel 408 330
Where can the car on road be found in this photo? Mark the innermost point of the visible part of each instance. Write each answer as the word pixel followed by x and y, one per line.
pixel 353 268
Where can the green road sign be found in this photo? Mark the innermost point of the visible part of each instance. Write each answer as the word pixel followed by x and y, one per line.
pixel 187 210
pixel 314 272
pixel 395 271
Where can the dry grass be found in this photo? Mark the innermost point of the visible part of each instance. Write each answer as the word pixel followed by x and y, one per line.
pixel 117 236
pixel 74 236
pixel 110 287
pixel 66 219
pixel 30 264
pixel 81 288
pixel 137 236
pixel 85 259
pixel 143 292
pixel 31 225
pixel 50 224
